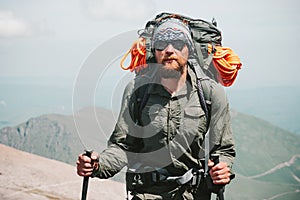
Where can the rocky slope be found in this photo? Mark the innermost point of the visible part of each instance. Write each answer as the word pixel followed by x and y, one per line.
pixel 26 176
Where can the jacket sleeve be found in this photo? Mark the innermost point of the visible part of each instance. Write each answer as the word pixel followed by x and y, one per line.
pixel 221 136
pixel 114 157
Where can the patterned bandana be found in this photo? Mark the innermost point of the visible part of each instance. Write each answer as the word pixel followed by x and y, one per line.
pixel 173 29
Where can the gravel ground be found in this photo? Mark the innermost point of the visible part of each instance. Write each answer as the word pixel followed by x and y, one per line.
pixel 27 176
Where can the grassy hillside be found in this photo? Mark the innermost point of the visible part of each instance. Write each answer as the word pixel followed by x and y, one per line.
pixel 261 145
pixel 249 189
pixel 267 162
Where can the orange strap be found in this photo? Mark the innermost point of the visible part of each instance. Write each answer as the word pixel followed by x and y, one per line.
pixel 138 56
pixel 227 63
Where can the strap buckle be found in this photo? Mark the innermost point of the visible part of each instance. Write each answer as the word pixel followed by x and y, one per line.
pixel 158 177
pixel 197 175
pixel 137 180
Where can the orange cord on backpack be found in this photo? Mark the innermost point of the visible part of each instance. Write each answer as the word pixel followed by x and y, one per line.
pixel 227 63
pixel 138 56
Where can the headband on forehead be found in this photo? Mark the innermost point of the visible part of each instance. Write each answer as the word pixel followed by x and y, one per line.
pixel 173 29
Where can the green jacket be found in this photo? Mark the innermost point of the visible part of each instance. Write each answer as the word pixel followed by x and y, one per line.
pixel 169 132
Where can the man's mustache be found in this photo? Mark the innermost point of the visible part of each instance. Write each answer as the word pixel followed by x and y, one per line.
pixel 167 58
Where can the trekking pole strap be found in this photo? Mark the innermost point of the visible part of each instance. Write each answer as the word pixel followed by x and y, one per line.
pixel 191 177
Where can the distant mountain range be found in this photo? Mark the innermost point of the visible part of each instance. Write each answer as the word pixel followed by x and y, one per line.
pixel 278 105
pixel 267 163
pixel 58 136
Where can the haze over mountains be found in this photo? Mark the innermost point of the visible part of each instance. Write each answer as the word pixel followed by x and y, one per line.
pixel 278 105
pixel 267 163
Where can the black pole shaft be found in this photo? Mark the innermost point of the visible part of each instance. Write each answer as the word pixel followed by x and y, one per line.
pixel 85 187
pixel 85 180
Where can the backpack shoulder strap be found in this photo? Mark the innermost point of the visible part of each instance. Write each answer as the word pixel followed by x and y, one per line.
pixel 204 88
pixel 207 93
pixel 142 84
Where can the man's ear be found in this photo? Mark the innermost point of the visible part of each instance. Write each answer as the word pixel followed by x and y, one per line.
pixel 153 51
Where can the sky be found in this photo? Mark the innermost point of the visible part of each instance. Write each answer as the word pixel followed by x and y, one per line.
pixel 52 39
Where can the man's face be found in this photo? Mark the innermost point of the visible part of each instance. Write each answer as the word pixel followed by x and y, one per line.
pixel 173 55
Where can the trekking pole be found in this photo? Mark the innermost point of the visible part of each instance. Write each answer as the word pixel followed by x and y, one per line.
pixel 85 179
pixel 220 190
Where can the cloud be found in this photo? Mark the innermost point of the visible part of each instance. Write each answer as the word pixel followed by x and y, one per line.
pixel 118 10
pixel 3 103
pixel 11 26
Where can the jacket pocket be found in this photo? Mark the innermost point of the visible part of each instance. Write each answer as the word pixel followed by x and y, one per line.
pixel 194 122
pixel 193 112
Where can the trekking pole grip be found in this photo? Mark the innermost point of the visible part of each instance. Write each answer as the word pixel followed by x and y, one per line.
pixel 219 189
pixel 85 179
pixel 215 158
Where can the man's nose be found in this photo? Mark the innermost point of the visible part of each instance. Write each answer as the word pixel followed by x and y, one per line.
pixel 170 48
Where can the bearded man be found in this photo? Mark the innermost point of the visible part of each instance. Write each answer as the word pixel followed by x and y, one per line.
pixel 163 140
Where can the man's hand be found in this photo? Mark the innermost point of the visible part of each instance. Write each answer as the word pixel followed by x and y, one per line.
pixel 86 165
pixel 220 173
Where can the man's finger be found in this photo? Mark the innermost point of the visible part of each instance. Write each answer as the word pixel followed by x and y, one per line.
pixel 219 176
pixel 95 156
pixel 219 171
pixel 210 163
pixel 82 173
pixel 221 181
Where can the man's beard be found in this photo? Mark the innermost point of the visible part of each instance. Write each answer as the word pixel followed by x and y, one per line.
pixel 171 72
